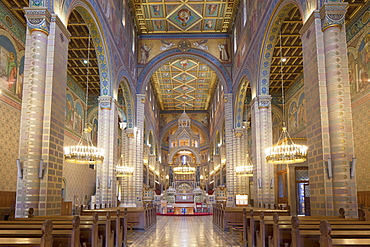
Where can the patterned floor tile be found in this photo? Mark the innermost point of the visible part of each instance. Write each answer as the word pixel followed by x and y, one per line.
pixel 175 231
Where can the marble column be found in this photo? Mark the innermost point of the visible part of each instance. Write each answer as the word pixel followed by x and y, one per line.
pixel 107 140
pixel 42 115
pixel 129 150
pixel 263 173
pixel 230 172
pixel 139 137
pixel 328 111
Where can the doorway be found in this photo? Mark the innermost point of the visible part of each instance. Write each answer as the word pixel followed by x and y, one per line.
pixel 303 191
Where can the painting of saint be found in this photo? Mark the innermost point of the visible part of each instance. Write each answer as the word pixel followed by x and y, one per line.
pixel 9 71
pixel 292 117
pixel 364 64
pixel 302 111
pixel 352 73
pixel 224 54
pixel 184 16
pixel 69 111
pixel 209 24
pixel 145 51
pixel 212 9
pixel 156 10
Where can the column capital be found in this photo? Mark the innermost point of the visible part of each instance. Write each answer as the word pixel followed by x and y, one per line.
pixel 332 14
pixel 264 101
pixel 38 19
pixel 238 132
pixel 130 133
pixel 105 102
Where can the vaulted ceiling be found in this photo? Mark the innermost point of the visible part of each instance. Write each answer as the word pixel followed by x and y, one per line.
pixel 171 16
pixel 184 83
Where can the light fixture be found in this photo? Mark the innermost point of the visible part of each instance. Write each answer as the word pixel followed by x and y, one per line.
pixel 123 170
pixel 85 152
pixel 245 170
pixel 285 151
pixel 184 169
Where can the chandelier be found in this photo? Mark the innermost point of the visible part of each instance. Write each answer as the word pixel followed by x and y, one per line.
pixel 246 170
pixel 184 167
pixel 285 151
pixel 88 153
pixel 84 154
pixel 123 170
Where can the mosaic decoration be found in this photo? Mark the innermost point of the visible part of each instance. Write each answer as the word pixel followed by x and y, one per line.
pixel 184 83
pixel 158 16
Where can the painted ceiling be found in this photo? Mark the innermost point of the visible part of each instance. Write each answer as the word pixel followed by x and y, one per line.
pixel 184 83
pixel 166 16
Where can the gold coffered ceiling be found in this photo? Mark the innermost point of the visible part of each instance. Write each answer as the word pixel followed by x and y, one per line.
pixel 166 16
pixel 184 83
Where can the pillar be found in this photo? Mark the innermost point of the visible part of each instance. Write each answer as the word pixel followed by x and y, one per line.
pixel 129 150
pixel 139 137
pixel 263 173
pixel 328 111
pixel 43 114
pixel 107 140
pixel 230 173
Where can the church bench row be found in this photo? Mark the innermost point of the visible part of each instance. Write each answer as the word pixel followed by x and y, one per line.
pixel 258 229
pixel 223 215
pixel 139 217
pixel 300 232
pixel 106 232
pixel 44 236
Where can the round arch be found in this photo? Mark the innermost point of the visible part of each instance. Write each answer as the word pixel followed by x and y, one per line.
pixel 190 149
pixel 171 124
pixel 221 71
pixel 92 21
pixel 129 100
pixel 270 38
pixel 239 102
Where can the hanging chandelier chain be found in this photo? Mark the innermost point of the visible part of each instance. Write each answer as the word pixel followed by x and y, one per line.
pixel 87 75
pixel 282 76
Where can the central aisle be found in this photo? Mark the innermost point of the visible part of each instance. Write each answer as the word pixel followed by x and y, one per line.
pixel 182 231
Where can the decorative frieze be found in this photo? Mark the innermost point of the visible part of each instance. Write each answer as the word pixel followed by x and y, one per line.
pixel 38 19
pixel 332 14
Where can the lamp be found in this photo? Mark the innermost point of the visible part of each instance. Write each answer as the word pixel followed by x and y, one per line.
pixel 285 151
pixel 123 170
pixel 88 153
pixel 245 170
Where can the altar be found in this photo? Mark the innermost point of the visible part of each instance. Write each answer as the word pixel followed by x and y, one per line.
pixel 179 208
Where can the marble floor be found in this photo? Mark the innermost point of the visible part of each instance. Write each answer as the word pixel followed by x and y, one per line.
pixel 183 231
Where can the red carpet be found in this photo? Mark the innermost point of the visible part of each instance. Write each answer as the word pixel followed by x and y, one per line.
pixel 195 214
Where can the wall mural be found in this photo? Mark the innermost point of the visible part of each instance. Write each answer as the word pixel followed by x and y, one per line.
pixel 219 47
pixel 11 68
pixel 359 67
pixel 296 114
pixel 74 113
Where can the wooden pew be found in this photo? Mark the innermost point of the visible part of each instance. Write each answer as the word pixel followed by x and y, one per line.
pixel 61 237
pixel 327 241
pixel 145 216
pixel 304 231
pixel 87 232
pixel 46 239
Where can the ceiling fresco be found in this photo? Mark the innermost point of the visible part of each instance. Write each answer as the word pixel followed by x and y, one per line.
pixel 184 83
pixel 166 16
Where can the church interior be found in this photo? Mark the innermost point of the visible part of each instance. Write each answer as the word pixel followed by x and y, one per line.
pixel 165 108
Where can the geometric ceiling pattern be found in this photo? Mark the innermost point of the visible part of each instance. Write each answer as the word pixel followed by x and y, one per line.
pixel 184 83
pixel 171 16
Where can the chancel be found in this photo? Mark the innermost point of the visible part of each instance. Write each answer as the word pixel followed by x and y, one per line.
pixel 184 123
